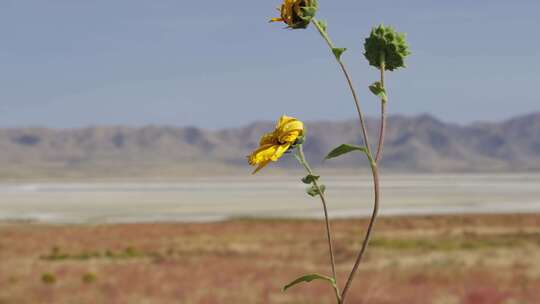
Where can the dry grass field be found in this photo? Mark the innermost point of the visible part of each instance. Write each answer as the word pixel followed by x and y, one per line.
pixel 491 259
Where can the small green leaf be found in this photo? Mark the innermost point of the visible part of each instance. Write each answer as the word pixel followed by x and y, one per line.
pixel 323 25
pixel 378 90
pixel 300 140
pixel 313 191
pixel 338 52
pixel 308 12
pixel 308 278
pixel 344 149
pixel 310 179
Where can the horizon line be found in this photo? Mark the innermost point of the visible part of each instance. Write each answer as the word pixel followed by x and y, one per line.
pixel 168 125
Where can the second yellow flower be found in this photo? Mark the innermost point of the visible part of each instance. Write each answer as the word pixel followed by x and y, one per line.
pixel 273 145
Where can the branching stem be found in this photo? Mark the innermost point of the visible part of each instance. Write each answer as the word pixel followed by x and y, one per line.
pixel 373 162
pixel 382 128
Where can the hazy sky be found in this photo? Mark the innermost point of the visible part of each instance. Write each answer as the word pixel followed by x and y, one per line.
pixel 66 63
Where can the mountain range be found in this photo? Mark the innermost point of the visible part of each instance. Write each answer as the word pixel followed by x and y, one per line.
pixel 413 144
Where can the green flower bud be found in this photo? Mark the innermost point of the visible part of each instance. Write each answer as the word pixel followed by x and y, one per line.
pixel 386 47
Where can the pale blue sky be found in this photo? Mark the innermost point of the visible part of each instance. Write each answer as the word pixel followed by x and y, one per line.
pixel 70 63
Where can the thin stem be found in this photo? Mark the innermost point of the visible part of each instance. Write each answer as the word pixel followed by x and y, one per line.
pixel 376 182
pixel 369 232
pixel 303 162
pixel 373 163
pixel 382 132
pixel 326 38
pixel 382 128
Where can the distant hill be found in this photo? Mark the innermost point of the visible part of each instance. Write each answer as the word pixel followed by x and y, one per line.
pixel 420 144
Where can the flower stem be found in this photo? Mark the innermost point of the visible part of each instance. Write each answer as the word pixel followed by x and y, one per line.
pixel 369 232
pixel 382 128
pixel 304 163
pixel 326 38
pixel 373 162
pixel 376 181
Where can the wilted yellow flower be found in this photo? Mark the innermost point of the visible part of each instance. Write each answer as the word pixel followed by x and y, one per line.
pixel 273 145
pixel 297 13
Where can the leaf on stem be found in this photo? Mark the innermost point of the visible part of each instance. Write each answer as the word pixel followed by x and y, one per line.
pixel 308 278
pixel 314 191
pixel 378 90
pixel 344 149
pixel 338 52
pixel 308 12
pixel 310 179
pixel 322 24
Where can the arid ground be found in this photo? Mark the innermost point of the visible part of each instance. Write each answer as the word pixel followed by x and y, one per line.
pixel 491 259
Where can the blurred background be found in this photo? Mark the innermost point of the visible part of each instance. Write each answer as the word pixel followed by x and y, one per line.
pixel 124 127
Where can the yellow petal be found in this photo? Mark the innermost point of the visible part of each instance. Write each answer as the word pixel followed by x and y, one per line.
pixel 289 137
pixel 280 150
pixel 265 154
pixel 267 139
pixel 284 119
pixel 293 125
pixel 262 154
pixel 261 165
pixel 288 129
pixel 287 11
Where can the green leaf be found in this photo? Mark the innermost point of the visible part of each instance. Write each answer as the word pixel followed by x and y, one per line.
pixel 323 25
pixel 309 12
pixel 378 90
pixel 338 52
pixel 310 179
pixel 313 191
pixel 300 140
pixel 308 278
pixel 344 149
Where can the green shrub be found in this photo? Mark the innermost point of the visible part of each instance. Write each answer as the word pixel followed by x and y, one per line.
pixel 48 278
pixel 89 278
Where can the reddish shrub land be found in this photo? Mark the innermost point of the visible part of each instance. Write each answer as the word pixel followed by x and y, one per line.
pixel 491 259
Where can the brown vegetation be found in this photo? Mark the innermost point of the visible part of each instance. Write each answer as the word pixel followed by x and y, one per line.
pixel 440 260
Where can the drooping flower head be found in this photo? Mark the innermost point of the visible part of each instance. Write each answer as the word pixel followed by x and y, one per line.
pixel 386 44
pixel 297 14
pixel 288 132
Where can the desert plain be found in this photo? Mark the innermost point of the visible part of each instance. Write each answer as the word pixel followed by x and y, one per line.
pixel 443 239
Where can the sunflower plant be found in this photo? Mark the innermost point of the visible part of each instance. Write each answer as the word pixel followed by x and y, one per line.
pixel 386 50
